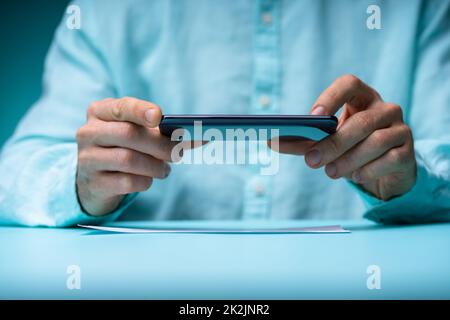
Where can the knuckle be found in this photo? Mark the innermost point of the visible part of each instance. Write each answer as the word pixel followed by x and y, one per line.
pixel 126 184
pixel 127 101
pixel 119 108
pixel 86 135
pixel 406 132
pixel 394 155
pixel 125 158
pixel 379 139
pixel 87 161
pixel 82 134
pixel 375 94
pixel 83 158
pixel 350 80
pixel 399 156
pixel 367 174
pixel 396 110
pixel 91 110
pixel 365 122
pixel 332 94
pixel 128 131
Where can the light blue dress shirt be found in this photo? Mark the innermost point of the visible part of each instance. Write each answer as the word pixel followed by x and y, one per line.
pixel 240 56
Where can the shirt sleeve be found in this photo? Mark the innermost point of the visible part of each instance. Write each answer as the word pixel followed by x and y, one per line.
pixel 38 164
pixel 429 118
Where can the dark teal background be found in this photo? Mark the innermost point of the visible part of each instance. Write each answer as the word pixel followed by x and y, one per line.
pixel 26 31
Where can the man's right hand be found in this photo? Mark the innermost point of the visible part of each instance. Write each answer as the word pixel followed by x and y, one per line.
pixel 120 151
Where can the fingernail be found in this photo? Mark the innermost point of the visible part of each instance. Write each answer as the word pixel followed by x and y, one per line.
pixel 167 169
pixel 330 170
pixel 313 157
pixel 150 116
pixel 318 111
pixel 356 176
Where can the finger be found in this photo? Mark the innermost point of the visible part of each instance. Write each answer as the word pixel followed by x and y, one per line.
pixel 347 89
pixel 396 160
pixel 123 160
pixel 119 183
pixel 291 145
pixel 355 129
pixel 127 135
pixel 127 109
pixel 379 142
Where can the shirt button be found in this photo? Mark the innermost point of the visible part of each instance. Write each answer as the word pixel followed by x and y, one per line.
pixel 265 101
pixel 264 155
pixel 259 189
pixel 266 18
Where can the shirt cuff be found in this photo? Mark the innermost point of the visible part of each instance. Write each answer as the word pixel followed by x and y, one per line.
pixel 67 206
pixel 425 202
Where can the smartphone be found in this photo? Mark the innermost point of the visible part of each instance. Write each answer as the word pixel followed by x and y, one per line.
pixel 229 127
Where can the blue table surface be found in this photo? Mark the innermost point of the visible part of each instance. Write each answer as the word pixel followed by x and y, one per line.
pixel 414 262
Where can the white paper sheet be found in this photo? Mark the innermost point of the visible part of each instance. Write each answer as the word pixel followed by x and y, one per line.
pixel 321 229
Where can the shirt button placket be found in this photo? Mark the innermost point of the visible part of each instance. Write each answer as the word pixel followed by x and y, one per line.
pixel 265 97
